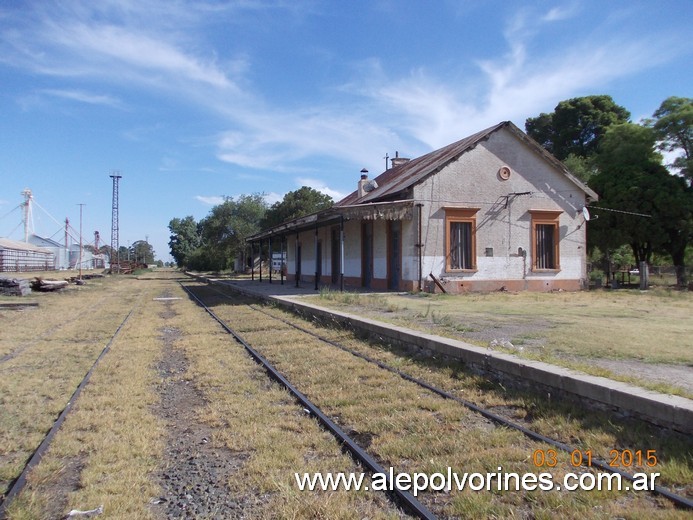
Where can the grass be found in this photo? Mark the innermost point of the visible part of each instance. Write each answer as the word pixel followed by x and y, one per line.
pixel 46 352
pixel 262 423
pixel 107 445
pixel 412 430
pixel 111 446
pixel 109 449
pixel 569 329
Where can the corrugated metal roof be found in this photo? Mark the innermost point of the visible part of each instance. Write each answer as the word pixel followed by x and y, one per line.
pixel 22 246
pixel 392 182
pixel 390 210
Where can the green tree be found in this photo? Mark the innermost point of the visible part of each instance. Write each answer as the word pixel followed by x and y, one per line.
pixel 184 239
pixel 225 229
pixel 673 126
pixel 123 254
pixel 629 171
pixel 675 208
pixel 142 252
pixel 295 204
pixel 576 126
pixel 582 167
pixel 632 181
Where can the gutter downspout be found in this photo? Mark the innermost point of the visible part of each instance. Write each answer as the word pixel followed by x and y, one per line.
pixel 420 246
pixel 270 258
pixel 296 269
pixel 281 262
pixel 316 255
pixel 341 254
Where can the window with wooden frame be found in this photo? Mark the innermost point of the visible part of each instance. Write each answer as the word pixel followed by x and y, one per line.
pixel 545 240
pixel 460 239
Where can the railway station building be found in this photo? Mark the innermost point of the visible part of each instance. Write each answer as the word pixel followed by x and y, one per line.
pixel 492 211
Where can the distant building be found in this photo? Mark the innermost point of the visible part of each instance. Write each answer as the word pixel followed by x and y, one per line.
pixel 61 256
pixel 22 257
pixel 87 258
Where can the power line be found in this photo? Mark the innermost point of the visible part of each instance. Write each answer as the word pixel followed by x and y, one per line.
pixel 621 211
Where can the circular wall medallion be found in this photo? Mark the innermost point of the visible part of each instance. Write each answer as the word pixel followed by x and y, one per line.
pixel 504 173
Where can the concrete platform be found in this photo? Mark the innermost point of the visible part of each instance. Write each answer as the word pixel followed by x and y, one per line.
pixel 662 409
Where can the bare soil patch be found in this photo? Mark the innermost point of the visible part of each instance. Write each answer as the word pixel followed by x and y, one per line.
pixel 197 472
pixel 675 375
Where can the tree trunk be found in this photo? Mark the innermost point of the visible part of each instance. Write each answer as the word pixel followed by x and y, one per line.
pixel 678 257
pixel 681 278
pixel 642 251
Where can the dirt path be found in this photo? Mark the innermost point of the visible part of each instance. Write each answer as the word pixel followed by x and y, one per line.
pixel 673 375
pixel 196 473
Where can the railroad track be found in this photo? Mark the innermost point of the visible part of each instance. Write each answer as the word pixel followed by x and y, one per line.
pixel 81 441
pixel 46 330
pixel 404 498
pixel 384 413
pixel 49 354
pixel 252 326
pixel 20 481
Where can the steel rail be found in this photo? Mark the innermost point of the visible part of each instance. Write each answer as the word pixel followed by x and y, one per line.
pixel 678 500
pixel 35 340
pixel 19 483
pixel 410 502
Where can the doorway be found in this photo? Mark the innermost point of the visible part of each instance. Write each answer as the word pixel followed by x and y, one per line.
pixel 394 255
pixel 367 254
pixel 335 255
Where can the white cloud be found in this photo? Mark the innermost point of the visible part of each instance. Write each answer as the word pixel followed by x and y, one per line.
pixel 120 42
pixel 140 51
pixel 84 97
pixel 159 45
pixel 511 87
pixel 272 197
pixel 212 200
pixel 321 186
pixel 559 13
pixel 278 140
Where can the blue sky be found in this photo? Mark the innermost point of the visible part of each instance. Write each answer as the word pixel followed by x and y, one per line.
pixel 192 101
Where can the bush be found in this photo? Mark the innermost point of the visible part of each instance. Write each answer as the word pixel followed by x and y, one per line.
pixel 596 274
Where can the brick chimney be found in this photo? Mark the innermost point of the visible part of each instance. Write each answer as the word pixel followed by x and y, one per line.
pixel 397 160
pixel 362 181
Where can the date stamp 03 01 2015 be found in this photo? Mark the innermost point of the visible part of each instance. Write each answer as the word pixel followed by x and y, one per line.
pixel 617 458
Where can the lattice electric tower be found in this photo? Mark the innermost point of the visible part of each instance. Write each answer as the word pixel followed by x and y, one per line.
pixel 115 230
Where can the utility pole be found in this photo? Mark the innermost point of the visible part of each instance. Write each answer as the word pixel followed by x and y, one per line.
pixel 67 240
pixel 115 229
pixel 80 240
pixel 97 258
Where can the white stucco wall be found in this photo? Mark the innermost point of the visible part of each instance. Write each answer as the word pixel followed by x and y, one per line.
pixel 503 224
pixel 503 221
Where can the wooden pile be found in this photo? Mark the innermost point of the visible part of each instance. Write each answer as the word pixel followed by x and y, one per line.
pixel 39 284
pixel 14 287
